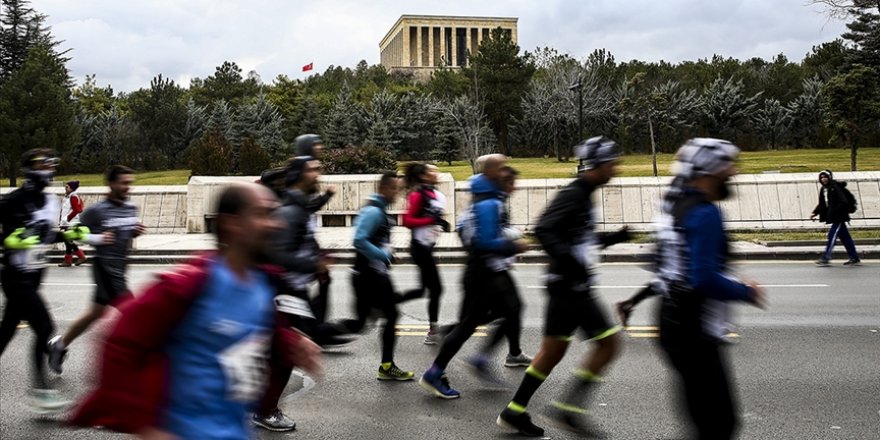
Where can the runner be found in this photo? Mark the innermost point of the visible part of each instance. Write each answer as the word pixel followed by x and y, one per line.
pixel 371 277
pixel 295 250
pixel 187 359
pixel 567 233
pixel 113 224
pixel 695 284
pixel 71 207
pixel 489 289
pixel 28 216
pixel 424 216
pixel 312 145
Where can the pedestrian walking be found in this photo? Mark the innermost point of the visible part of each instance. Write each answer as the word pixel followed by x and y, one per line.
pixel 71 207
pixel 836 203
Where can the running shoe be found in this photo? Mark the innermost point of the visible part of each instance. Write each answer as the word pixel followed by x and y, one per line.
pixel 56 354
pixel 46 401
pixel 822 262
pixel 576 422
pixel 853 262
pixel 394 373
pixel 433 337
pixel 275 421
pixel 520 422
pixel 520 360
pixel 438 384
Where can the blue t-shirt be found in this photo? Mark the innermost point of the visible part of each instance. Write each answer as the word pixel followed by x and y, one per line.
pixel 218 357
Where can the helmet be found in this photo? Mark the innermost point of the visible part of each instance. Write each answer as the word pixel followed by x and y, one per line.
pixel 703 156
pixel 596 151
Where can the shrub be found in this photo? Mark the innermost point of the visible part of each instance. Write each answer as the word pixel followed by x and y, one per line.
pixel 211 155
pixel 252 158
pixel 367 159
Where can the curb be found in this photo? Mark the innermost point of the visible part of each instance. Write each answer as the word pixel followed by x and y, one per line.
pixel 347 256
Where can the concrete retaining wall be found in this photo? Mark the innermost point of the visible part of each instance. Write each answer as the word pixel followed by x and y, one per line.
pixel 765 201
pixel 162 209
pixel 760 201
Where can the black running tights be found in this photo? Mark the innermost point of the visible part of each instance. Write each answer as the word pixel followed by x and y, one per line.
pixel 23 303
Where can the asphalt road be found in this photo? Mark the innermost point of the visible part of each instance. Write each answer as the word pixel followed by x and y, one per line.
pixel 806 368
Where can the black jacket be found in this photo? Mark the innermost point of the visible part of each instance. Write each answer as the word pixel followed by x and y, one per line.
pixel 836 210
pixel 294 247
pixel 568 222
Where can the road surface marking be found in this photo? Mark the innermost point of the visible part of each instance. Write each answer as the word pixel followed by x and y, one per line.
pixel 643 285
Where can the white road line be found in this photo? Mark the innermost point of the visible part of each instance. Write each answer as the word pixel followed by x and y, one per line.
pixel 762 285
pixel 69 284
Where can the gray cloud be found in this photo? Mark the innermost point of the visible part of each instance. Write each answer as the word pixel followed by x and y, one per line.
pixel 127 43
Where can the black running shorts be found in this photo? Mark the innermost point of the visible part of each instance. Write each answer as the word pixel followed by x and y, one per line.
pixel 569 310
pixel 110 281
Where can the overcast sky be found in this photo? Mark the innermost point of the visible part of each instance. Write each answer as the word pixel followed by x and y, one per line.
pixel 127 42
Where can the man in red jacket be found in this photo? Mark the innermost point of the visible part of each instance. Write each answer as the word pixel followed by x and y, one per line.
pixel 187 359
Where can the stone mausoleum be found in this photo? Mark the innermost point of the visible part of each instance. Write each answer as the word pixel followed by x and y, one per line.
pixel 420 43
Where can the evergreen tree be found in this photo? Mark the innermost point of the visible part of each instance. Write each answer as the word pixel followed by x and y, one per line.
pixel 36 109
pixel 771 122
pixel 225 84
pixel 160 114
pixel 261 122
pixel 502 75
pixel 21 29
pixel 805 114
pixel 864 33
pixel 726 108
pixel 92 99
pixel 851 103
pixel 344 120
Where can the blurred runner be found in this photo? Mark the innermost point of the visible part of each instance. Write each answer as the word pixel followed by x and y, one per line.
pixel 188 357
pixel 113 224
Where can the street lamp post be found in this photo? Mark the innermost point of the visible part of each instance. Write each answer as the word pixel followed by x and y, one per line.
pixel 580 90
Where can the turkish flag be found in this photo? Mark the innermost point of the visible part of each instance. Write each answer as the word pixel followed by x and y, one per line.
pixel 308 67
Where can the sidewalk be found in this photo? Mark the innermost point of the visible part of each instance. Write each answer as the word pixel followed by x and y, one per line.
pixel 171 248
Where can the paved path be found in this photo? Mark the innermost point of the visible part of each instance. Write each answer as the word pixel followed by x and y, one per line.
pixel 807 368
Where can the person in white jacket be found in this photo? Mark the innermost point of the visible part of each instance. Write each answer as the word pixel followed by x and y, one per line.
pixel 71 207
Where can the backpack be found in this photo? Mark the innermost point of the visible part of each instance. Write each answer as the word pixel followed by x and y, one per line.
pixel 851 204
pixel 466 226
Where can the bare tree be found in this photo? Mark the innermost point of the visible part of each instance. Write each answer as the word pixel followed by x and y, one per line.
pixel 472 126
pixel 843 9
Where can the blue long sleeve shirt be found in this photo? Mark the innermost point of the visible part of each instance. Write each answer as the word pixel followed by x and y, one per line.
pixel 707 247
pixel 368 221
pixel 487 219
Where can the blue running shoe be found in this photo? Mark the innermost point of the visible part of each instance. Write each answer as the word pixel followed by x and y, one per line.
pixel 437 384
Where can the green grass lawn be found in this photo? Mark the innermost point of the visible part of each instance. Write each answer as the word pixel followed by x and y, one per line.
pixel 751 162
pixel 171 177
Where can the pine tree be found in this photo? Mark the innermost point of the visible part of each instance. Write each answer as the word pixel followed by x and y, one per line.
pixel 36 109
pixel 343 124
pixel 805 114
pixel 262 122
pixel 771 122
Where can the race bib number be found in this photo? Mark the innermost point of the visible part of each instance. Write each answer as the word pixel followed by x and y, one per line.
pixel 293 305
pixel 245 366
pixel 34 258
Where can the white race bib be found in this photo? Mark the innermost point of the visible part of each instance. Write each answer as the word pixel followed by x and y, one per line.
pixel 245 365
